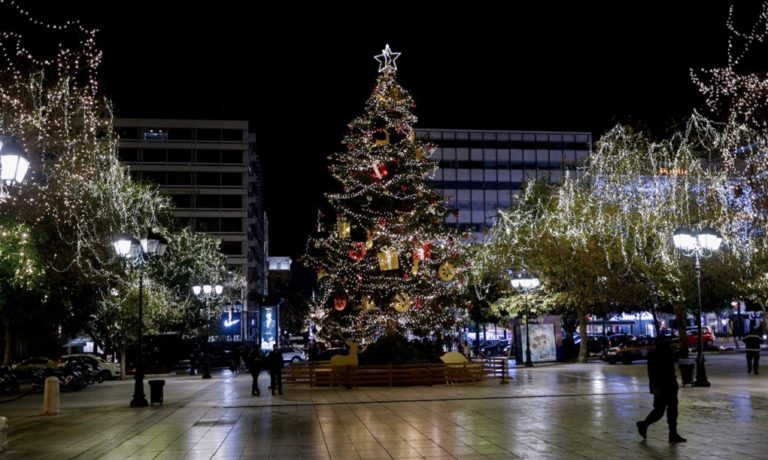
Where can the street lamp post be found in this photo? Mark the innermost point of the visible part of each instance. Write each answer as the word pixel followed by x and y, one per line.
pixel 205 293
pixel 698 244
pixel 138 254
pixel 526 283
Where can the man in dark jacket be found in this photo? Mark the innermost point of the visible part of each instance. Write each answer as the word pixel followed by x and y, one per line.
pixel 752 343
pixel 254 367
pixel 275 366
pixel 663 385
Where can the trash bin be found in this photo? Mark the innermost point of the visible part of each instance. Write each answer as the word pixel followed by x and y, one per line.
pixel 156 391
pixel 686 373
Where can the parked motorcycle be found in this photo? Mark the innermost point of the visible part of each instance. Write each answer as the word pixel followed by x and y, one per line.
pixel 8 382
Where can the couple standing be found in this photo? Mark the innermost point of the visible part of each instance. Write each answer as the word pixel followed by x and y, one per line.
pixel 273 363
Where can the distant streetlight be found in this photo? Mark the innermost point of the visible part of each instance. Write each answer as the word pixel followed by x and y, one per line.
pixel 698 244
pixel 205 293
pixel 138 254
pixel 13 164
pixel 525 284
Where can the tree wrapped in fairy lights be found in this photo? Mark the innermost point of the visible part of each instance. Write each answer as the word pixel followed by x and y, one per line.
pixel 385 262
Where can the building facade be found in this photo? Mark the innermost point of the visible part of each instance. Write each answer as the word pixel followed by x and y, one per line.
pixel 483 171
pixel 211 172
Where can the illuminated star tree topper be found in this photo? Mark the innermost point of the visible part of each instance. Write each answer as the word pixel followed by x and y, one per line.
pixel 387 59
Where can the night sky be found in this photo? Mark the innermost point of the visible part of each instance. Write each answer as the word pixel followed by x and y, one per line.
pixel 299 74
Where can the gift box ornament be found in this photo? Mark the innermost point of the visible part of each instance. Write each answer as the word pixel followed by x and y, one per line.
pixel 388 259
pixel 345 228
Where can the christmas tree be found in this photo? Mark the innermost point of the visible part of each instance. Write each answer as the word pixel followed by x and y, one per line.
pixel 385 261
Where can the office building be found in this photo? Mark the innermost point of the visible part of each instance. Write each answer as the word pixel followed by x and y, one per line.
pixel 482 171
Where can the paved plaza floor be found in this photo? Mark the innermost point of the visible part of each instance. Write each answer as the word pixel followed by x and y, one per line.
pixel 560 411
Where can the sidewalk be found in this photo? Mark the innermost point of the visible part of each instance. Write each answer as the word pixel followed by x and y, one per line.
pixel 568 411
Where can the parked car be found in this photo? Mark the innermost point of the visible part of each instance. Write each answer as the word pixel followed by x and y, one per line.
pixel 26 368
pixel 596 344
pixel 635 349
pixel 707 336
pixel 292 354
pixel 109 370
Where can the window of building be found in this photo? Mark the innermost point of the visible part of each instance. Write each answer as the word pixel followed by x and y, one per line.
pixel 182 222
pixel 153 156
pixel 127 133
pixel 231 201
pixel 232 156
pixel 231 224
pixel 542 156
pixel 180 134
pixel 155 134
pixel 125 154
pixel 179 178
pixel 208 178
pixel 208 156
pixel 231 179
pixel 156 177
pixel 529 156
pixel 179 156
pixel 232 248
pixel 207 224
pixel 181 201
pixel 209 134
pixel 232 134
pixel 207 201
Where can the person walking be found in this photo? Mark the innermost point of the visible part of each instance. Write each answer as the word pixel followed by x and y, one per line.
pixel 275 366
pixel 752 343
pixel 254 367
pixel 662 382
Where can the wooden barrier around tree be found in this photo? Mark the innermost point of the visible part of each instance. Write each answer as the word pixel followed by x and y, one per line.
pixel 321 373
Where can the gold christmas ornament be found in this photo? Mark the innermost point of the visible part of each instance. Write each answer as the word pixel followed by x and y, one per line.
pixel 415 266
pixel 367 303
pixel 401 302
pixel 345 228
pixel 446 271
pixel 385 140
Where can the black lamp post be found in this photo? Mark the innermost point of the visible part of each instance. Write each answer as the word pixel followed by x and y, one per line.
pixel 698 244
pixel 138 254
pixel 205 293
pixel 526 283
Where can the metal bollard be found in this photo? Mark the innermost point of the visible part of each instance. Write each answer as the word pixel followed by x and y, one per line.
pixel 51 396
pixel 504 371
pixel 3 433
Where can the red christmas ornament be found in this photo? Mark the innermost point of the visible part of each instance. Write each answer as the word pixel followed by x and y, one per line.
pixel 358 252
pixel 340 301
pixel 379 171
